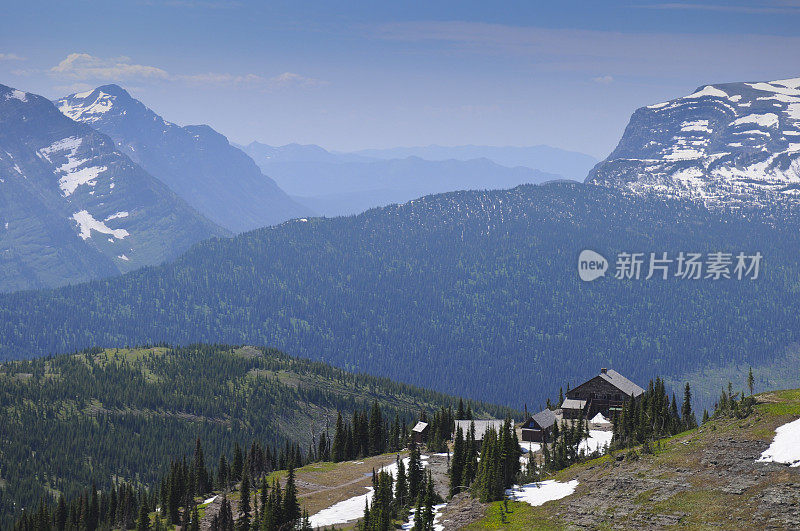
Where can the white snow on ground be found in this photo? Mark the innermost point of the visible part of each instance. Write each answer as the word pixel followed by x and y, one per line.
pixel 71 175
pixel 342 512
pixel 71 143
pixel 785 447
pixel 437 514
pixel 600 419
pixel 765 120
pixel 92 112
pixel 708 90
pixel 793 111
pixel 353 508
pixel 17 95
pixel 696 125
pixel 526 447
pixel 597 440
pixel 86 224
pixel 74 178
pixel 123 257
pixel 536 494
pixel 684 154
pixel 211 499
pixel 122 214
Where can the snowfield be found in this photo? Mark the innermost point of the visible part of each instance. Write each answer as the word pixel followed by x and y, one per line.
pixel 353 508
pixel 598 439
pixel 536 494
pixel 87 223
pixel 785 447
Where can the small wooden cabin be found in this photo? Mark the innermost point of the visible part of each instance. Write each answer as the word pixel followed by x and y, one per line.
pixel 539 427
pixel 420 432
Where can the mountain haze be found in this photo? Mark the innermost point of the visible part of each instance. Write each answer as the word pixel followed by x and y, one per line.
pixel 336 184
pixel 453 291
pixel 73 208
pixel 568 164
pixel 195 161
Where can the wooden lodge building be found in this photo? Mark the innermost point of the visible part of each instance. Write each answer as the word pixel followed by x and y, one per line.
pixel 539 427
pixel 605 393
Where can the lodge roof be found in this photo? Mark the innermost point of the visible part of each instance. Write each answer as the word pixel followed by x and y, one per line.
pixel 419 427
pixel 571 403
pixel 481 426
pixel 545 418
pixel 621 383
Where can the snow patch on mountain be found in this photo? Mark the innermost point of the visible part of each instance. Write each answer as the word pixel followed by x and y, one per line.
pixel 87 223
pixel 17 95
pixel 764 120
pixel 75 171
pixel 87 112
pixel 722 145
pixel 785 447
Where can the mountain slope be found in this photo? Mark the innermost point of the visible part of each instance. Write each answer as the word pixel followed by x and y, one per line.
pixel 706 478
pixel 569 164
pixel 73 208
pixel 123 414
pixel 338 184
pixel 195 161
pixel 452 291
pixel 728 144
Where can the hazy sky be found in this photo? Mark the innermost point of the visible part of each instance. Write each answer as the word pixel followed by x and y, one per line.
pixel 351 75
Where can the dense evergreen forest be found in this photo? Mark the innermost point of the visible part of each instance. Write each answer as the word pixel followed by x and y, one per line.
pixel 469 293
pixel 73 420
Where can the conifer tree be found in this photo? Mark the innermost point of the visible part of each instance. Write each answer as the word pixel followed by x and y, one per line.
pixel 457 463
pixel 414 471
pixel 291 505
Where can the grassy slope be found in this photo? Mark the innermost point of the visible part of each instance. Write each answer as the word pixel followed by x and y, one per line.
pixel 94 412
pixel 703 478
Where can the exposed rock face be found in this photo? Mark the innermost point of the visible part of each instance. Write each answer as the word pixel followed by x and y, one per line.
pixel 73 207
pixel 196 162
pixel 724 145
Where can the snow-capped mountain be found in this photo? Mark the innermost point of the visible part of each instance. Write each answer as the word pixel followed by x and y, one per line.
pixel 195 161
pixel 73 208
pixel 728 144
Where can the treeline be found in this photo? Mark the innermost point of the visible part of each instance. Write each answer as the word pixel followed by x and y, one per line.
pixel 488 468
pixel 395 496
pixel 652 415
pixel 451 291
pixel 122 413
pixel 175 499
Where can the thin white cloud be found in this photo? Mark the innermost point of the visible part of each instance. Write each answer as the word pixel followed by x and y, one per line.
pixel 290 79
pixel 603 80
pixel 10 57
pixel 82 66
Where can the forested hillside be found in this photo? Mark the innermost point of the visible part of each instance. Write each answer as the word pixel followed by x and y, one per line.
pixel 122 414
pixel 471 293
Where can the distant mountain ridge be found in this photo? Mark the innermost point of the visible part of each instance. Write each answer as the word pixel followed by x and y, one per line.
pixel 732 144
pixel 569 164
pixel 195 161
pixel 343 183
pixel 73 208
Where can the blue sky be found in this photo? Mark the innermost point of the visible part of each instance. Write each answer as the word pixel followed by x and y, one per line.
pixel 354 75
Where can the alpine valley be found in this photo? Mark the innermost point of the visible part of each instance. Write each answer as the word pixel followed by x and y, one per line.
pixel 114 390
